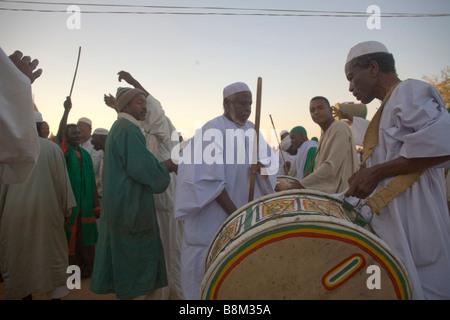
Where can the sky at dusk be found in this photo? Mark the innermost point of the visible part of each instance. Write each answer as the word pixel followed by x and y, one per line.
pixel 185 52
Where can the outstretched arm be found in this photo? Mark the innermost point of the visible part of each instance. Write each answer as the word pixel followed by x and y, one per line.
pixel 123 75
pixel 63 124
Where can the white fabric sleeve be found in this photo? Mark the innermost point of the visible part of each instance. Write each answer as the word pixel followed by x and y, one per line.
pixel 19 144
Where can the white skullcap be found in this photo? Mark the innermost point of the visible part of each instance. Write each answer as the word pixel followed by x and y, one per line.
pixel 101 131
pixel 85 120
pixel 235 88
pixel 365 48
pixel 283 132
pixel 38 117
pixel 285 143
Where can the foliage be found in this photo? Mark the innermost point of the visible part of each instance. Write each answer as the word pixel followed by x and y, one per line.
pixel 442 84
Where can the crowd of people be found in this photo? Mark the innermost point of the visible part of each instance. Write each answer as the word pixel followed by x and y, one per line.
pixel 137 213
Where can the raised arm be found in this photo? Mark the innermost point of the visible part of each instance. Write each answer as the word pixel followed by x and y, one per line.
pixel 123 75
pixel 63 124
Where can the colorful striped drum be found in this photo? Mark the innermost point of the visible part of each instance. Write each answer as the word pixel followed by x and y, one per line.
pixel 300 244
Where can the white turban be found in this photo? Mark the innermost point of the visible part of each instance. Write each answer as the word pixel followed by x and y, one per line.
pixel 235 88
pixel 38 117
pixel 85 120
pixel 285 143
pixel 364 48
pixel 101 131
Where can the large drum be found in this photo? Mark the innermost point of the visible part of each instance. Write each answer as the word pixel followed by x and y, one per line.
pixel 300 244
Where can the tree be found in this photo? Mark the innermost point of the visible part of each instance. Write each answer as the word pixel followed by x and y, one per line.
pixel 442 84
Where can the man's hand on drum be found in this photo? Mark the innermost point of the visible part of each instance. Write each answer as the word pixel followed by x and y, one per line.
pixel 295 185
pixel 362 183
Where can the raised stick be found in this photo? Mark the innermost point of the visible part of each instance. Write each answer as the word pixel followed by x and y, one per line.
pixel 76 69
pixel 255 144
pixel 279 145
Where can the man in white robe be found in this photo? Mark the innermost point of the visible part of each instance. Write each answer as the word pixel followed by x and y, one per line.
pixel 19 146
pixel 85 126
pixel 159 132
pixel 214 180
pixel 412 137
pixel 286 159
pixel 33 245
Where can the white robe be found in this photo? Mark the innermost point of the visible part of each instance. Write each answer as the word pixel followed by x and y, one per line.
pixel 359 127
pixel 33 244
pixel 19 146
pixel 96 155
pixel 158 130
pixel 199 184
pixel 416 224
pixel 287 157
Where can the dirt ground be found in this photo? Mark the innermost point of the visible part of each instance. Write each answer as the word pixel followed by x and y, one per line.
pixel 77 294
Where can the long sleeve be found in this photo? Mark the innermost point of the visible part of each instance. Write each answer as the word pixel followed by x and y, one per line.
pixel 19 145
pixel 151 172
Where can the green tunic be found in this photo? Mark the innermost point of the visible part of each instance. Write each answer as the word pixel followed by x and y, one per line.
pixel 129 257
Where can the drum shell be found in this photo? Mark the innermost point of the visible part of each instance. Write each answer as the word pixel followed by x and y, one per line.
pixel 291 253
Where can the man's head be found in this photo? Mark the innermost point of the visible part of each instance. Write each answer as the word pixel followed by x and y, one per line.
pixel 43 129
pixel 365 68
pixel 298 135
pixel 237 102
pixel 73 135
pixel 132 101
pixel 321 111
pixel 85 126
pixel 99 138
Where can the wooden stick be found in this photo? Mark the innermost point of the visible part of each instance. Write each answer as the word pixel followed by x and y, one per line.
pixel 76 69
pixel 279 144
pixel 255 144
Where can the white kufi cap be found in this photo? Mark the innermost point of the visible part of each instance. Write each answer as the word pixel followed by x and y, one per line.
pixel 101 131
pixel 235 88
pixel 364 48
pixel 38 117
pixel 285 143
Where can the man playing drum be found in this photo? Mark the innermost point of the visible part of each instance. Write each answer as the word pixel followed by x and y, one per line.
pixel 208 191
pixel 405 152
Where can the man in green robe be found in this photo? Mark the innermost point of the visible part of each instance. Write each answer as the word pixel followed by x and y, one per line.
pixel 81 232
pixel 130 258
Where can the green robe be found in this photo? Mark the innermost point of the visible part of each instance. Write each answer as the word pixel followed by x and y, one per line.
pixel 82 181
pixel 129 256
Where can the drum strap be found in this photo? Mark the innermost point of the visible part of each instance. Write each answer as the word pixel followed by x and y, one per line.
pixel 397 185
